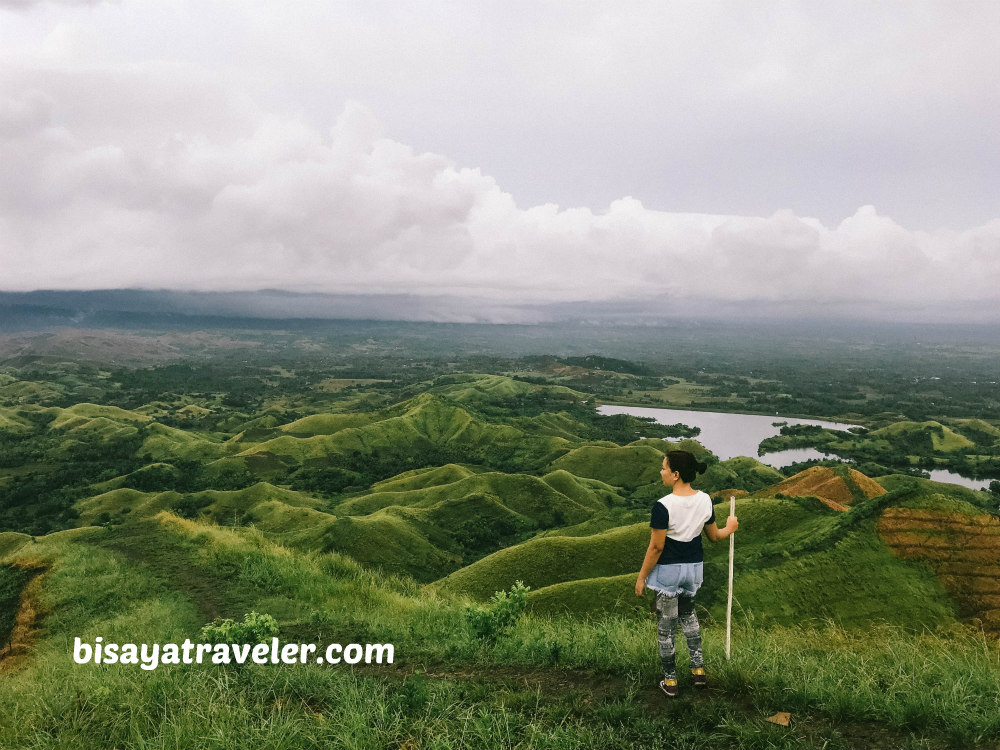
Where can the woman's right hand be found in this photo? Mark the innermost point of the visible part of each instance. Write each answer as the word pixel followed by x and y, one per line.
pixel 732 524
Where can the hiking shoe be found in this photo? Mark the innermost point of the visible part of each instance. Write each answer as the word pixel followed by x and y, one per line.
pixel 698 675
pixel 669 687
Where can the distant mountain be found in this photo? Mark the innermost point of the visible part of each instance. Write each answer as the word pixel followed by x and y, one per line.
pixel 159 308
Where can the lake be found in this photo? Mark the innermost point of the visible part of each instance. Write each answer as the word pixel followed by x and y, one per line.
pixel 729 435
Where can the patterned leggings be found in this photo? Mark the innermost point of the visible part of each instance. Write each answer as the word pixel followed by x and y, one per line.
pixel 670 609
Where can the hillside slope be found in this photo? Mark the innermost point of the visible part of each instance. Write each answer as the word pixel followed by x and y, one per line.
pixel 963 549
pixel 838 487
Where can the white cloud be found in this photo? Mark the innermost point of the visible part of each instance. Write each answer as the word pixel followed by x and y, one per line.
pixel 169 172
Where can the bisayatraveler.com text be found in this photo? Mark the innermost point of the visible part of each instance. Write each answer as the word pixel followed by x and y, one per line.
pixel 150 655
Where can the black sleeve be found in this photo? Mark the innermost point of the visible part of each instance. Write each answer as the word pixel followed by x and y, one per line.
pixel 660 517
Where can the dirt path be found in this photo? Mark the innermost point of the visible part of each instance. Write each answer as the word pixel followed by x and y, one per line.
pixel 28 619
pixel 164 559
pixel 808 730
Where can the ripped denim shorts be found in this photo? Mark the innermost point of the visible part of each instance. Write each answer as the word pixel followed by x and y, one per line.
pixel 676 579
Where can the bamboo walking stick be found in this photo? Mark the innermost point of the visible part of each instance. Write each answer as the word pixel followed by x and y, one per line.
pixel 732 549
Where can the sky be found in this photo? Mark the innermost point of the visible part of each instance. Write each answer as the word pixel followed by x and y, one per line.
pixel 826 156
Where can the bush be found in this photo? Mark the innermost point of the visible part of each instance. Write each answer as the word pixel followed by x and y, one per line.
pixel 490 622
pixel 255 628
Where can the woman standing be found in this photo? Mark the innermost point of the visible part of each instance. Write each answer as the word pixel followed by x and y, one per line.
pixel 673 566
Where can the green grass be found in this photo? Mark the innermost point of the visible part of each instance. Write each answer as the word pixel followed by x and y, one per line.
pixel 740 473
pixel 940 437
pixel 419 479
pixel 525 495
pixel 629 467
pixel 590 598
pixel 550 682
pixel 11 420
pixel 410 430
pixel 12 583
pixel 855 582
pixel 165 443
pixel 588 493
pixel 863 648
pixel 78 413
pixel 324 424
pixel 492 389
pixel 10 541
pixel 547 560
pixel 928 487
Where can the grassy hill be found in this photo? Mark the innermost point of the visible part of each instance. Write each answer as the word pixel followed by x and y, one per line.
pixel 552 559
pixel 939 437
pixel 866 621
pixel 481 389
pixel 627 467
pixel 529 496
pixel 797 561
pixel 421 428
pixel 836 486
pixel 159 578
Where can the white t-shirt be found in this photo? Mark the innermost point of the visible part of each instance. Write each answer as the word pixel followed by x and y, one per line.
pixel 683 517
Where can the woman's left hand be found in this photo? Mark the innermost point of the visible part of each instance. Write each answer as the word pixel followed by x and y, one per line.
pixel 640 585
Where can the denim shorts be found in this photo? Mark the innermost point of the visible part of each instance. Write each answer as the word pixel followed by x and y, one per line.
pixel 676 579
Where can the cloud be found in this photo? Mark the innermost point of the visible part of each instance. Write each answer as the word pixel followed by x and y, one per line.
pixel 25 4
pixel 191 185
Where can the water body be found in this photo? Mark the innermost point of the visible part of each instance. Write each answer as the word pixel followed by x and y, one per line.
pixel 943 475
pixel 730 435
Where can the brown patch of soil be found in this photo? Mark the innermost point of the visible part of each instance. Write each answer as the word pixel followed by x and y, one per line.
pixel 867 485
pixel 28 619
pixel 822 482
pixel 963 551
pixel 832 504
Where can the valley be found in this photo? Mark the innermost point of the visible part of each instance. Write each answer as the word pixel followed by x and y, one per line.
pixel 377 491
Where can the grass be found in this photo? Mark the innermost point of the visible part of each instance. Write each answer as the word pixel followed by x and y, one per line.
pixel 491 389
pixel 525 495
pixel 863 648
pixel 550 682
pixel 165 443
pixel 941 438
pixel 324 424
pixel 741 472
pixel 553 559
pixel 419 479
pixel 409 430
pixel 629 467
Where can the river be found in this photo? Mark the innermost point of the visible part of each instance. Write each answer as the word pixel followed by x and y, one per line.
pixel 729 435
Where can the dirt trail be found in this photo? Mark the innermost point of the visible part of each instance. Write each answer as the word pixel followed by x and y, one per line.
pixel 164 560
pixel 597 689
pixel 28 619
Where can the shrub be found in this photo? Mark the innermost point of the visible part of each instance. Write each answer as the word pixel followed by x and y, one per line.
pixel 255 628
pixel 494 620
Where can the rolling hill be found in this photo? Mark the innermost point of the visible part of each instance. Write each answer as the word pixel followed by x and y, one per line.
pixel 837 487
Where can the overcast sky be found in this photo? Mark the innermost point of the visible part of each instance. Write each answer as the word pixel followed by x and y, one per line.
pixel 806 152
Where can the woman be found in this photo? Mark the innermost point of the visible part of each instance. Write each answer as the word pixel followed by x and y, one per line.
pixel 674 561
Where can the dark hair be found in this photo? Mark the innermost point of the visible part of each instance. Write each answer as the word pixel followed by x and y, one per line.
pixel 686 465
